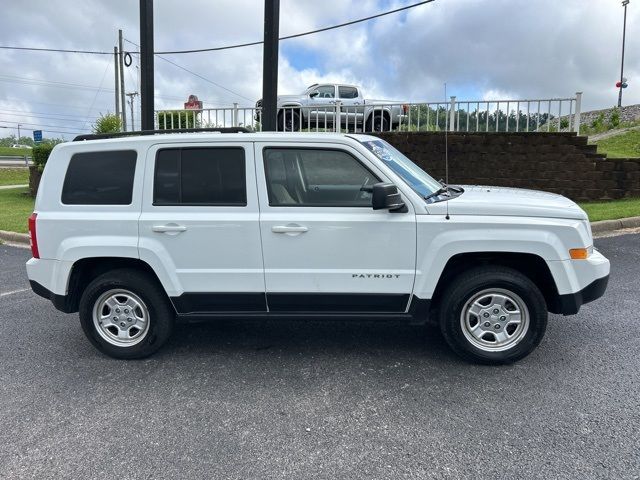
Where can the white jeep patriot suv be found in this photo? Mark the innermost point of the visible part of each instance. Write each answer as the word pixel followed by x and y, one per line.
pixel 134 232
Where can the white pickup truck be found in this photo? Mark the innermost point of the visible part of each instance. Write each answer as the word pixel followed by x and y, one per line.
pixel 133 232
pixel 318 105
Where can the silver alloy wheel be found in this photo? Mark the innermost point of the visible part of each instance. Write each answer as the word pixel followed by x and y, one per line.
pixel 121 317
pixel 494 320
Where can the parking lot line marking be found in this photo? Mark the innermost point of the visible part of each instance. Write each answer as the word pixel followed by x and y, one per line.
pixel 14 291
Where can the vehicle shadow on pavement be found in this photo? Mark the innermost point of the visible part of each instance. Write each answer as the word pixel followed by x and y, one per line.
pixel 305 337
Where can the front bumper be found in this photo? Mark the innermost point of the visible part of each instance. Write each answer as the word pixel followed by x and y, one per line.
pixel 569 304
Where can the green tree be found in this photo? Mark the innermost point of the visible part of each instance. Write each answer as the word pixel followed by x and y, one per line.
pixel 108 123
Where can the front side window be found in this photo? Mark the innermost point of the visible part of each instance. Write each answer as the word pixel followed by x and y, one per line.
pixel 324 91
pixel 100 178
pixel 316 177
pixel 200 176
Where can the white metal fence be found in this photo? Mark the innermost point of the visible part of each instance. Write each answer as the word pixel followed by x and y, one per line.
pixel 526 115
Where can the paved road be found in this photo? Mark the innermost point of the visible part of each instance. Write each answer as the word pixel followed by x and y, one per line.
pixel 13 162
pixel 293 399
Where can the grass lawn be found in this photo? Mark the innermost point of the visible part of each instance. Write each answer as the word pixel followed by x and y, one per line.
pixel 14 176
pixel 621 146
pixel 8 151
pixel 15 207
pixel 612 210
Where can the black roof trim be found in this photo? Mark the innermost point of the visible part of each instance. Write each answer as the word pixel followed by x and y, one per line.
pixel 102 136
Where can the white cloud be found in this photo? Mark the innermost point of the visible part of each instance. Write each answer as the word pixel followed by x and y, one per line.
pixel 482 48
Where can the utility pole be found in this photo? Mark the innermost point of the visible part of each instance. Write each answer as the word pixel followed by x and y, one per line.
pixel 624 31
pixel 115 70
pixel 131 97
pixel 146 65
pixel 270 65
pixel 18 134
pixel 122 102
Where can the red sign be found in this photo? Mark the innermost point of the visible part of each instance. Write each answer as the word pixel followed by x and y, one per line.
pixel 193 103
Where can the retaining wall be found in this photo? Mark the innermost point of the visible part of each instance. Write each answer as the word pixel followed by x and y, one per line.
pixel 555 162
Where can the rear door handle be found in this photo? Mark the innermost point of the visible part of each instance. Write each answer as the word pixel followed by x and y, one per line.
pixel 289 229
pixel 170 228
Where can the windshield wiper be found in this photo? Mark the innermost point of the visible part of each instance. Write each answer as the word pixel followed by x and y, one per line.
pixel 438 192
pixel 445 189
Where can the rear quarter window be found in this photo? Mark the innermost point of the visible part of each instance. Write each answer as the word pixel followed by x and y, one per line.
pixel 100 178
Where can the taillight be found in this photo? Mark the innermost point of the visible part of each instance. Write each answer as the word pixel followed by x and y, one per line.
pixel 33 237
pixel 405 108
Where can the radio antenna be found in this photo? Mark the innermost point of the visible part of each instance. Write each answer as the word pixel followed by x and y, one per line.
pixel 446 150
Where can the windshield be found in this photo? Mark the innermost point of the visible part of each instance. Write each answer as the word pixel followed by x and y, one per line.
pixel 419 180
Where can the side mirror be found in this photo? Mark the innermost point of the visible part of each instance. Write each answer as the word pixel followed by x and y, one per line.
pixel 386 197
pixel 314 94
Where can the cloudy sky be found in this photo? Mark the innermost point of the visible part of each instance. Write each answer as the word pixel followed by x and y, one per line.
pixel 483 49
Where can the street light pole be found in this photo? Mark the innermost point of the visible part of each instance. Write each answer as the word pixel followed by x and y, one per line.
pixel 624 31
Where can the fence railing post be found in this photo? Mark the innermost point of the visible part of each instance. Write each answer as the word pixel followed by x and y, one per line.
pixel 337 121
pixel 576 118
pixel 452 115
pixel 234 115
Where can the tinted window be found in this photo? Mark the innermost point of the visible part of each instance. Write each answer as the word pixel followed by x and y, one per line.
pixel 200 176
pixel 347 92
pixel 100 178
pixel 316 177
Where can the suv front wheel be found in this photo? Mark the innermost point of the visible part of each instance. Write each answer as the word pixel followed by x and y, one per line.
pixel 125 314
pixel 493 315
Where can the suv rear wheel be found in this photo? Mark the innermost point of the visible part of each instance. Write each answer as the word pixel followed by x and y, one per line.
pixel 125 314
pixel 493 315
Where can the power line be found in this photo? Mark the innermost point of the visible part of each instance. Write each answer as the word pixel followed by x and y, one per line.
pixel 97 92
pixel 228 47
pixel 333 27
pixel 39 82
pixel 42 125
pixel 61 50
pixel 26 114
pixel 196 74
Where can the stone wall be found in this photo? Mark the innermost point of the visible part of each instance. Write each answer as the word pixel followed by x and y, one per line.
pixel 555 162
pixel 630 113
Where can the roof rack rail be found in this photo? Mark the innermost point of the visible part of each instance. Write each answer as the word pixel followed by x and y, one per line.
pixel 102 136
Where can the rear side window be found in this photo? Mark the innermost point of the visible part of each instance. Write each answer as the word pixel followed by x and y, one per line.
pixel 347 92
pixel 100 178
pixel 200 176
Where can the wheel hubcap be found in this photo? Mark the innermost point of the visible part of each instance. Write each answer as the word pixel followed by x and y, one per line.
pixel 121 317
pixel 494 320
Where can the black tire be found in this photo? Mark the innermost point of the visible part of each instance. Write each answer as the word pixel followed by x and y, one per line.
pixel 479 283
pixel 288 121
pixel 160 319
pixel 378 123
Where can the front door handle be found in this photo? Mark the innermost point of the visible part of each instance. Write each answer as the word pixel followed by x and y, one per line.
pixel 170 228
pixel 289 229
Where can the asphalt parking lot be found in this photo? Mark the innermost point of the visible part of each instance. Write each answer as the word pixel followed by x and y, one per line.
pixel 299 399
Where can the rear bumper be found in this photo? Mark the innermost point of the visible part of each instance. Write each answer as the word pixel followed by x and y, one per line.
pixel 61 302
pixel 569 304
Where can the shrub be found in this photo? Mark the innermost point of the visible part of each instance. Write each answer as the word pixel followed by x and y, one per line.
pixel 180 118
pixel 40 154
pixel 564 123
pixel 109 123
pixel 614 119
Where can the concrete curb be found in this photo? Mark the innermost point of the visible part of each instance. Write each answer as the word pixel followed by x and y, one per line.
pixel 14 237
pixel 602 226
pixel 611 225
